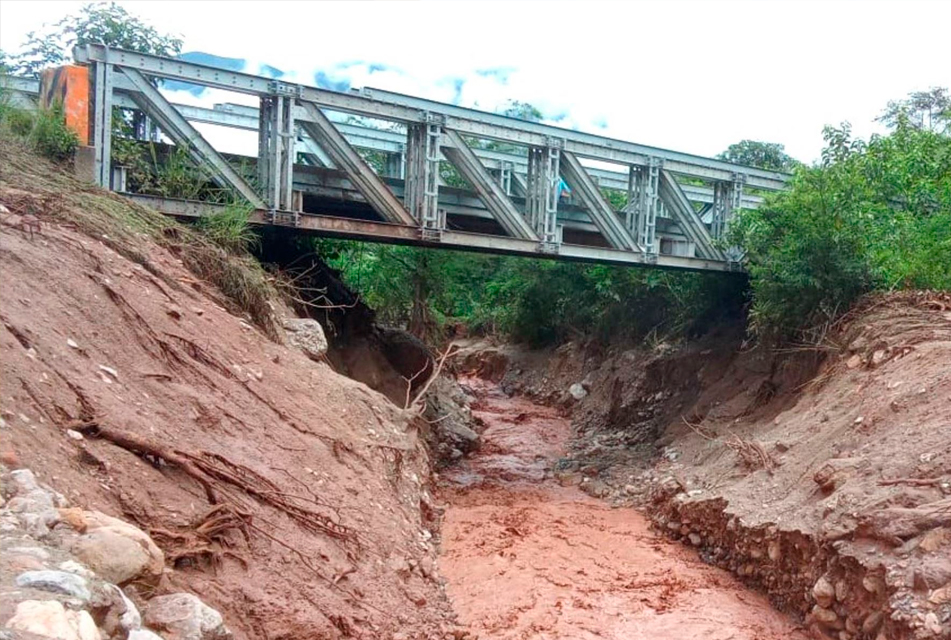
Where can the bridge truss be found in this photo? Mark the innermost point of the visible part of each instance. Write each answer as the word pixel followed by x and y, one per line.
pixel 312 173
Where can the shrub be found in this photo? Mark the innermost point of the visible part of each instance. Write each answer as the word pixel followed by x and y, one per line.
pixel 870 216
pixel 51 137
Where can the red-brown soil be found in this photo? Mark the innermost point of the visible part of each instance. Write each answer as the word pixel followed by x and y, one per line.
pixel 325 479
pixel 528 558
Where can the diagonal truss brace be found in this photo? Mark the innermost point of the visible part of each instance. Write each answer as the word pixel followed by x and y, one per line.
pixel 489 190
pixel 601 213
pixel 680 208
pixel 322 130
pixel 183 133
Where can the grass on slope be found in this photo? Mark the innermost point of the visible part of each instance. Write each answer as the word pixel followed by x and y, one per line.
pixel 32 185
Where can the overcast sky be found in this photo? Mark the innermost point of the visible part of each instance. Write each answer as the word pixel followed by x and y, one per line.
pixel 690 76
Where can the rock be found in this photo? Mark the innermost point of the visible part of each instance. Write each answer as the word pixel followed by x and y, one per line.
pixel 823 592
pixel 935 539
pixel 577 391
pixel 932 625
pixel 872 622
pixel 75 435
pixel 48 618
pixel 173 311
pixel 774 550
pixel 113 556
pixel 68 584
pixel 24 481
pixel 143 634
pixel 307 335
pixel 824 616
pixel 695 539
pixel 37 552
pixel 940 596
pixel 71 566
pixel 74 518
pixel 873 584
pixel 182 616
pixel 841 590
pixel 99 526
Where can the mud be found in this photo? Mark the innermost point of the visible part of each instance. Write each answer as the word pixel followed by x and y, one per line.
pixel 526 557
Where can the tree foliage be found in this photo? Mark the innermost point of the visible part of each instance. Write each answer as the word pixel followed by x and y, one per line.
pixel 873 215
pixel 929 110
pixel 764 155
pixel 96 23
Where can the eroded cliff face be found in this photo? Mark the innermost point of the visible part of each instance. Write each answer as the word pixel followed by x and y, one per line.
pixel 291 499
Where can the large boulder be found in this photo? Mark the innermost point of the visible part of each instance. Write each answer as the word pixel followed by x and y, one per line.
pixel 50 619
pixel 183 616
pixel 307 335
pixel 116 550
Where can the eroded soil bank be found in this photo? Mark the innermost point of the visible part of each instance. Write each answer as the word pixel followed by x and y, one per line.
pixel 528 558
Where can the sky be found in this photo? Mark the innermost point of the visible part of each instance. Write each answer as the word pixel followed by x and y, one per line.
pixel 693 76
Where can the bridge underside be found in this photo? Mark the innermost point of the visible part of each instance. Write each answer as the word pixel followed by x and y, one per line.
pixel 384 167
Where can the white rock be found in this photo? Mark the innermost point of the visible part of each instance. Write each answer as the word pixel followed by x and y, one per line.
pixel 577 391
pixel 49 618
pixel 71 566
pixel 184 616
pixel 24 480
pixel 75 435
pixel 143 634
pixel 72 343
pixel 68 584
pixel 307 335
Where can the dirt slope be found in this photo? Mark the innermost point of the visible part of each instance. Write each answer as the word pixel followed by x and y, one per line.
pixel 822 478
pixel 322 480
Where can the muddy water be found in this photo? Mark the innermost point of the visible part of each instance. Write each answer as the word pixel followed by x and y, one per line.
pixel 527 558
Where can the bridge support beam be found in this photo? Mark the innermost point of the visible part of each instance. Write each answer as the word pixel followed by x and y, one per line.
pixel 601 213
pixel 422 176
pixel 322 131
pixel 277 137
pixel 541 195
pixel 727 201
pixel 183 133
pixel 490 192
pixel 102 123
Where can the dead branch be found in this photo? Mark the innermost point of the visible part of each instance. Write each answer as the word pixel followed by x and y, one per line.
pixel 915 482
pixel 409 383
pixel 418 404
pixel 751 452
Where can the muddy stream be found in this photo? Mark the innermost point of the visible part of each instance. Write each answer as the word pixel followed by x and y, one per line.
pixel 527 558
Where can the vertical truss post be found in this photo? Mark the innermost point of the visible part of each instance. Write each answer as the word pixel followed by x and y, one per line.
pixel 727 198
pixel 102 122
pixel 644 183
pixel 505 176
pixel 396 164
pixel 632 208
pixel 422 176
pixel 542 194
pixel 277 142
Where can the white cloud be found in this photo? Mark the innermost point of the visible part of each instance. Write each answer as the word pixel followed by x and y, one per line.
pixel 692 76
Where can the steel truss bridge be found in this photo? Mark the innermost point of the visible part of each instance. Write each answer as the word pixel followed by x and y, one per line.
pixel 313 175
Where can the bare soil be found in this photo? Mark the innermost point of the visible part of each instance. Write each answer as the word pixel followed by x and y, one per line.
pixel 188 412
pixel 820 475
pixel 528 558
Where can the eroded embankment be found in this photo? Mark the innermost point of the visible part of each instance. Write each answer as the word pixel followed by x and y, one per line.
pixel 291 499
pixel 823 481
pixel 528 558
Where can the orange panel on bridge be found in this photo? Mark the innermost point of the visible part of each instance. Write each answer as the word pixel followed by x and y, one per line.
pixel 69 85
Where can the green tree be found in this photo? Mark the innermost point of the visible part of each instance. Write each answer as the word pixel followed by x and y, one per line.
pixel 96 23
pixel 764 155
pixel 929 110
pixel 871 215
